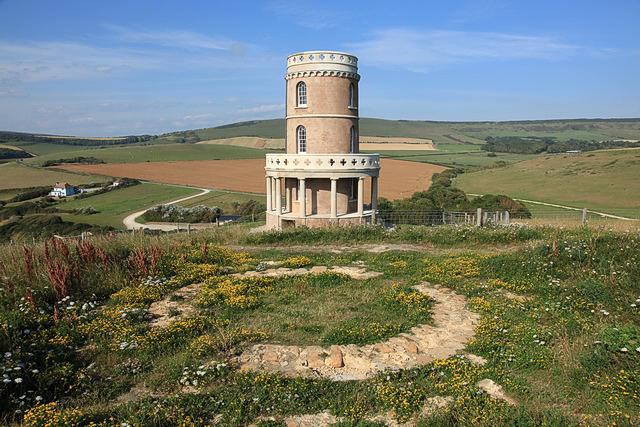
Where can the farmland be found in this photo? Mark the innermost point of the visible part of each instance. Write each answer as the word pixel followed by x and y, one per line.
pixel 401 179
pixel 601 180
pixel 114 205
pixel 15 175
pixel 160 153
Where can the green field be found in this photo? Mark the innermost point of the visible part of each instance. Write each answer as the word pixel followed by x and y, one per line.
pixel 159 153
pixel 601 180
pixel 16 175
pixel 113 206
pixel 223 199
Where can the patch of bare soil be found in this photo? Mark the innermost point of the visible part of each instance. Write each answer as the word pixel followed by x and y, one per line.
pixel 398 178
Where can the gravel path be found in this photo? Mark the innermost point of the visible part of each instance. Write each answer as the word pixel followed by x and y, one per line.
pixel 130 220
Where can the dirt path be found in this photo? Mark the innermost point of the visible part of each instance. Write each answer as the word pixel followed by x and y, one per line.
pixel 454 325
pixel 130 220
pixel 378 248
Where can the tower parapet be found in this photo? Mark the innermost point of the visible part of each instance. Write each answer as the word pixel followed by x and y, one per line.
pixel 322 172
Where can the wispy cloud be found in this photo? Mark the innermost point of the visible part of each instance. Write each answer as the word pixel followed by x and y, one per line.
pixel 177 39
pixel 266 108
pixel 30 61
pixel 420 51
pixel 38 61
pixel 305 13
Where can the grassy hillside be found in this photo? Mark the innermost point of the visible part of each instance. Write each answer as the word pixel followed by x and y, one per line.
pixel 601 180
pixel 113 206
pixel 15 175
pixel 440 132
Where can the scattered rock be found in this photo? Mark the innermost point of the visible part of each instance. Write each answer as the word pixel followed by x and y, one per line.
pixel 315 357
pixel 311 420
pixel 358 272
pixel 454 326
pixel 434 403
pixel 475 359
pixel 494 390
pixel 179 301
pixel 335 357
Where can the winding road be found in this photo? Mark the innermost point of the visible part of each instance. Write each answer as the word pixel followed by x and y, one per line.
pixel 131 224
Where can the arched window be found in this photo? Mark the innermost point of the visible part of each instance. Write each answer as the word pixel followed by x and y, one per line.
pixel 353 141
pixel 301 139
pixel 301 91
pixel 352 96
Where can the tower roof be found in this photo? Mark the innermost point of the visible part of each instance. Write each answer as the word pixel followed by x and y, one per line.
pixel 321 60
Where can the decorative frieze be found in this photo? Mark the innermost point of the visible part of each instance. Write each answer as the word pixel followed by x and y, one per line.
pixel 323 162
pixel 322 73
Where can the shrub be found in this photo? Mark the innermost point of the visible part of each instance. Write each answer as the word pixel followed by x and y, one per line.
pixel 296 262
pixel 175 213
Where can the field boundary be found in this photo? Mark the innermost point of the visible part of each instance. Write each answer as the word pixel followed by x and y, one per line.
pixel 553 205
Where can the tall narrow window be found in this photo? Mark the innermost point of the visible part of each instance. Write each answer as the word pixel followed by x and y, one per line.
pixel 352 96
pixel 353 144
pixel 301 90
pixel 301 139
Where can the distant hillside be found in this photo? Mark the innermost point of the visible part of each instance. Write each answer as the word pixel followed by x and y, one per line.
pixel 439 132
pixel 602 180
pixel 16 138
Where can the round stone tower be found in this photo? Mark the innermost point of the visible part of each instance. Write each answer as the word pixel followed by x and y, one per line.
pixel 321 176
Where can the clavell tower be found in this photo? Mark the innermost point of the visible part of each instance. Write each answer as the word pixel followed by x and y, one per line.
pixel 322 177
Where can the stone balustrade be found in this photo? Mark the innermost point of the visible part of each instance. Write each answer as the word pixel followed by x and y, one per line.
pixel 323 162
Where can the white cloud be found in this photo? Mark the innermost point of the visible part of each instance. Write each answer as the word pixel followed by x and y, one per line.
pixel 420 50
pixel 266 108
pixel 38 61
pixel 176 38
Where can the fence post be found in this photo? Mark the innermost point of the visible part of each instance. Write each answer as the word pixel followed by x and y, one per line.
pixel 479 217
pixel 188 228
pixel 507 219
pixel 584 216
pixel 444 217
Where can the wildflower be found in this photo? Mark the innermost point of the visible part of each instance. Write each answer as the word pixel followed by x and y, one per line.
pixel 38 398
pixel 624 349
pixel 18 380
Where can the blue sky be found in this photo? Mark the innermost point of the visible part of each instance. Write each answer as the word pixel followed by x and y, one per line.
pixel 129 67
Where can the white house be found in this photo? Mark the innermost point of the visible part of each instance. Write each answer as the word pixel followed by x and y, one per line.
pixel 62 189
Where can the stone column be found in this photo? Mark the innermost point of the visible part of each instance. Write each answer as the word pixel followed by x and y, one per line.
pixel 334 197
pixel 273 193
pixel 302 197
pixel 360 196
pixel 287 197
pixel 278 196
pixel 269 205
pixel 374 193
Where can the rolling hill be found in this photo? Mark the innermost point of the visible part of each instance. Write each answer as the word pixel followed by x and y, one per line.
pixel 599 180
pixel 439 132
